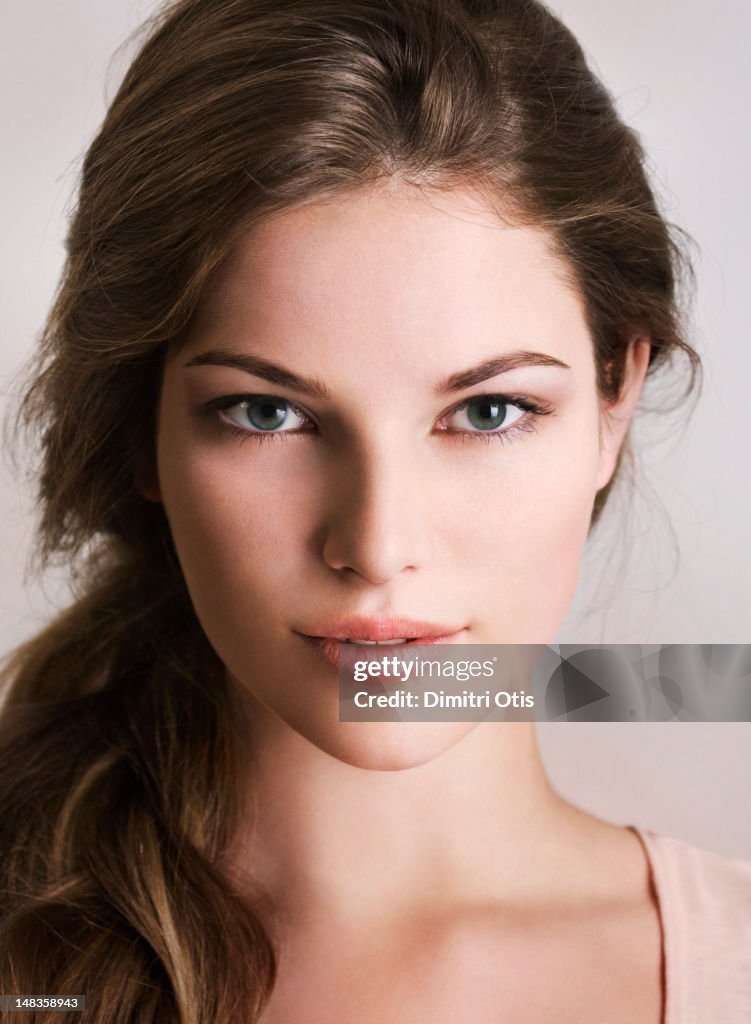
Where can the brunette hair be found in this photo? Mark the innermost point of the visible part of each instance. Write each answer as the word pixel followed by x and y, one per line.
pixel 118 752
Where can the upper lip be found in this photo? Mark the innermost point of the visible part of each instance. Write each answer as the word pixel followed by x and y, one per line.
pixel 383 627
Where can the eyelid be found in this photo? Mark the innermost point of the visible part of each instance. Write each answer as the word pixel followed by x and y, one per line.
pixel 523 402
pixel 228 401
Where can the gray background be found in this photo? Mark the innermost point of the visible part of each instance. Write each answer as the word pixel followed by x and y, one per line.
pixel 674 565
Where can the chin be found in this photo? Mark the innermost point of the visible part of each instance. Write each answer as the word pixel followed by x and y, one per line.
pixel 388 746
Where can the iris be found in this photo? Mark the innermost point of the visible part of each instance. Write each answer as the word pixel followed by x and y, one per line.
pixel 266 413
pixel 486 413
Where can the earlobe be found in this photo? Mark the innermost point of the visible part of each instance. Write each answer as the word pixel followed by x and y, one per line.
pixel 616 416
pixel 147 484
pixel 150 493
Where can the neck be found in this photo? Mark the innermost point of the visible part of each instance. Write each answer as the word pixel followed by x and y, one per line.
pixel 325 840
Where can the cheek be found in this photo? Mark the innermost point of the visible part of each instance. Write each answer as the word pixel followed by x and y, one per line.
pixel 233 514
pixel 528 545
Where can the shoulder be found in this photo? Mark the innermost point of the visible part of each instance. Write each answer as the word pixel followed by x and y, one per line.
pixel 705 907
pixel 710 887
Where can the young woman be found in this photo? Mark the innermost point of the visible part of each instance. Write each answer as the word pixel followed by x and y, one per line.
pixel 359 301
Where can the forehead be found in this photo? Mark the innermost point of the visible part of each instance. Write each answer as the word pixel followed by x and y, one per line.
pixel 394 266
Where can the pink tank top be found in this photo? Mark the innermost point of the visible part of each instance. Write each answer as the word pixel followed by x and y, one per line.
pixel 704 902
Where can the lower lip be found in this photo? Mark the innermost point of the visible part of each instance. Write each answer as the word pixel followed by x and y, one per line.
pixel 329 649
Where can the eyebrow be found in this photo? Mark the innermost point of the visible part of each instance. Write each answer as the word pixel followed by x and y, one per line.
pixel 276 374
pixel 263 368
pixel 495 366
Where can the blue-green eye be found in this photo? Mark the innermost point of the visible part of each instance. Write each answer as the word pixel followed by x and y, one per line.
pixel 485 413
pixel 262 413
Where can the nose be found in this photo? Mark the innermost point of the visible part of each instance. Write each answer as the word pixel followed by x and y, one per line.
pixel 376 527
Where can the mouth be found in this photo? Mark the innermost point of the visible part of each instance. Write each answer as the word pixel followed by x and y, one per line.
pixel 391 632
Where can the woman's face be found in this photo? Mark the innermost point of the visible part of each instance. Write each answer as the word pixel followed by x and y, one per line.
pixel 386 410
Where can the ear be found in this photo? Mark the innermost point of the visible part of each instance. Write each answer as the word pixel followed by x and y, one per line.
pixel 616 416
pixel 146 481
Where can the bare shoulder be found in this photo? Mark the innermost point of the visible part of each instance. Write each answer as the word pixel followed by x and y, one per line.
pixel 592 952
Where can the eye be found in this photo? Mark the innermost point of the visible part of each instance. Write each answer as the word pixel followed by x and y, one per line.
pixel 486 414
pixel 264 414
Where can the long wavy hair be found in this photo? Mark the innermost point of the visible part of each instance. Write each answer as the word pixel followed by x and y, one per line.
pixel 119 751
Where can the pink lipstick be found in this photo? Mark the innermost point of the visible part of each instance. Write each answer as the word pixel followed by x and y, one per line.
pixel 386 633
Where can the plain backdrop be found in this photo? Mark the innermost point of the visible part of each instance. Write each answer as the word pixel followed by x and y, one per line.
pixel 670 565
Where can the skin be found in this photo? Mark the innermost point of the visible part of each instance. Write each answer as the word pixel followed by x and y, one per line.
pixel 382 499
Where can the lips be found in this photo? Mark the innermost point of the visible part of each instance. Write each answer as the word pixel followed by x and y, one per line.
pixel 387 632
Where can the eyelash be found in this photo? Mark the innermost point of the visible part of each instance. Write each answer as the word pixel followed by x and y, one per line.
pixel 525 424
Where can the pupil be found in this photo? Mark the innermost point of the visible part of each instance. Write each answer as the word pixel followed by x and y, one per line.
pixel 266 415
pixel 487 414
